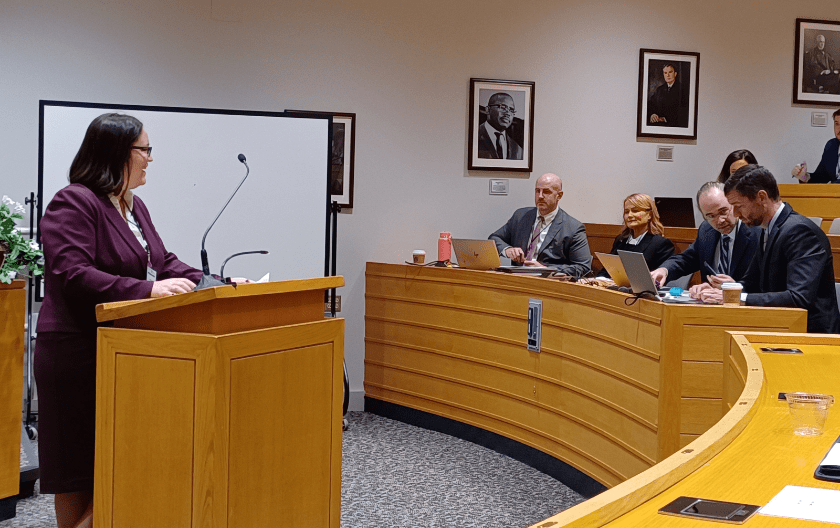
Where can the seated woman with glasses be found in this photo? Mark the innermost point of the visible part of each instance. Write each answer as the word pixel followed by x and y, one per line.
pixel 642 232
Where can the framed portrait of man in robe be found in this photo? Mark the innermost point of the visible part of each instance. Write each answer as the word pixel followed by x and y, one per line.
pixel 667 105
pixel 816 64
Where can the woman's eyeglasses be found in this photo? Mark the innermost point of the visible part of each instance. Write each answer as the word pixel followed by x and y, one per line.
pixel 147 150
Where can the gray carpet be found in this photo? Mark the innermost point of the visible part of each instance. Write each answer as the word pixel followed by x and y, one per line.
pixel 396 475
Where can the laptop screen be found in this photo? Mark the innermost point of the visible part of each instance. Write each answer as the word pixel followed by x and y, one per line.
pixel 675 212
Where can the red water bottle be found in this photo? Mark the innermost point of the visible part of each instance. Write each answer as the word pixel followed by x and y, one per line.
pixel 445 247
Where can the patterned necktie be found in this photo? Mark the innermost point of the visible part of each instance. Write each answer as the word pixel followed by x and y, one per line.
pixel 535 239
pixel 499 150
pixel 724 255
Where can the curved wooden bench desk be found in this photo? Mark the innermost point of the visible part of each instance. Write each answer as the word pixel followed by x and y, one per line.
pixel 615 389
pixel 749 456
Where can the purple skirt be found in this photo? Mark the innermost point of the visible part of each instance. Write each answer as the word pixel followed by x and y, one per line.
pixel 65 377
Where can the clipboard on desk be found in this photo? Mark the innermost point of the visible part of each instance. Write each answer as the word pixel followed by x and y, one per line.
pixel 829 467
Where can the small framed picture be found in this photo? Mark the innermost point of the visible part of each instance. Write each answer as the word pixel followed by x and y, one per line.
pixel 816 63
pixel 343 154
pixel 501 125
pixel 667 94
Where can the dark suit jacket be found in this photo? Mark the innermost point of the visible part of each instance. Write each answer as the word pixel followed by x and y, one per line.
pixel 655 248
pixel 671 104
pixel 487 146
pixel 796 270
pixel 827 169
pixel 92 257
pixel 565 246
pixel 703 250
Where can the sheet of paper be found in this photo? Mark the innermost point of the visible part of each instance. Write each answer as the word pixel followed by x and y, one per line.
pixel 797 502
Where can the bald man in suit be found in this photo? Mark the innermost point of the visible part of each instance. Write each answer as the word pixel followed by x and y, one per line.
pixel 545 235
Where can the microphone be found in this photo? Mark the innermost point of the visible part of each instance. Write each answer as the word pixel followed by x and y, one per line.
pixel 261 252
pixel 207 280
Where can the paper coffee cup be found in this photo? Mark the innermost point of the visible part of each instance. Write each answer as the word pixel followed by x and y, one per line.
pixel 418 256
pixel 731 293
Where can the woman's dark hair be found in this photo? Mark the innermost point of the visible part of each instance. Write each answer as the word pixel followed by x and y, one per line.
pixel 742 154
pixel 749 180
pixel 101 161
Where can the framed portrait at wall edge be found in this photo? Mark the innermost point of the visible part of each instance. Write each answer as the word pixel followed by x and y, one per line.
pixel 668 82
pixel 501 125
pixel 816 63
pixel 343 155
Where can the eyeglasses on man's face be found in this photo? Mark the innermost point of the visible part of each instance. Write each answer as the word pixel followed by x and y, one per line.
pixel 504 108
pixel 147 150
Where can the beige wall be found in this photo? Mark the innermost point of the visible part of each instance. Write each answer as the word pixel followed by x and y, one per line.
pixel 404 68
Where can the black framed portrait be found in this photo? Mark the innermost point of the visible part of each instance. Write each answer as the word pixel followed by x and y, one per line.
pixel 501 125
pixel 667 106
pixel 343 154
pixel 816 68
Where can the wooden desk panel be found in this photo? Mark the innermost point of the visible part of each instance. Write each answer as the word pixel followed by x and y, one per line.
pixel 821 200
pixel 13 310
pixel 606 394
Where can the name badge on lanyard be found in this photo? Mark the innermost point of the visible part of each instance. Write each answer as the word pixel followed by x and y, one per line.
pixel 151 274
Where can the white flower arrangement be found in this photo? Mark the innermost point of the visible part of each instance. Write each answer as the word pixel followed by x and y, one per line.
pixel 17 255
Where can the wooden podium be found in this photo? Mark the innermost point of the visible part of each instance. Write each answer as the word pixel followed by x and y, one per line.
pixel 220 408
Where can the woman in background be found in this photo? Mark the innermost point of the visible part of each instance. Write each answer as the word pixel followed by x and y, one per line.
pixel 734 161
pixel 99 246
pixel 642 232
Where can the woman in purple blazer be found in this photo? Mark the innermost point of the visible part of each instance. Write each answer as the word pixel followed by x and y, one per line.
pixel 99 246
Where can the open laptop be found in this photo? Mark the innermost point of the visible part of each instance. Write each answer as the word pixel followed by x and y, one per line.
pixel 612 263
pixel 483 255
pixel 476 254
pixel 638 274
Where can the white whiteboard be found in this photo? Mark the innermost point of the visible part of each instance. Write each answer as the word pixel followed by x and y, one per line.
pixel 281 207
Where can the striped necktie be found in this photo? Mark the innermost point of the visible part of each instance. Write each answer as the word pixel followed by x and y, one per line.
pixel 535 239
pixel 724 255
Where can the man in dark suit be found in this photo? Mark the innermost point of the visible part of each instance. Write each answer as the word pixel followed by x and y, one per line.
pixel 793 266
pixel 828 171
pixel 723 241
pixel 494 142
pixel 668 106
pixel 545 235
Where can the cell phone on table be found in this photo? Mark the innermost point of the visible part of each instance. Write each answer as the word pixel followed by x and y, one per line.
pixel 712 510
pixel 779 350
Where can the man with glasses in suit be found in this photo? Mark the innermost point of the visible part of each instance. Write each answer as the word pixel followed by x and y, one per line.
pixel 494 140
pixel 723 241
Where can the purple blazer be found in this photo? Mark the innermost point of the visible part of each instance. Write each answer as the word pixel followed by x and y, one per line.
pixel 92 257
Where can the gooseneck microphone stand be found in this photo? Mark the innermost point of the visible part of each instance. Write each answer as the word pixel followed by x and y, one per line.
pixel 207 280
pixel 222 271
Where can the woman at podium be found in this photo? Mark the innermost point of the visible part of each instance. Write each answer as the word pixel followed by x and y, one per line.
pixel 99 246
